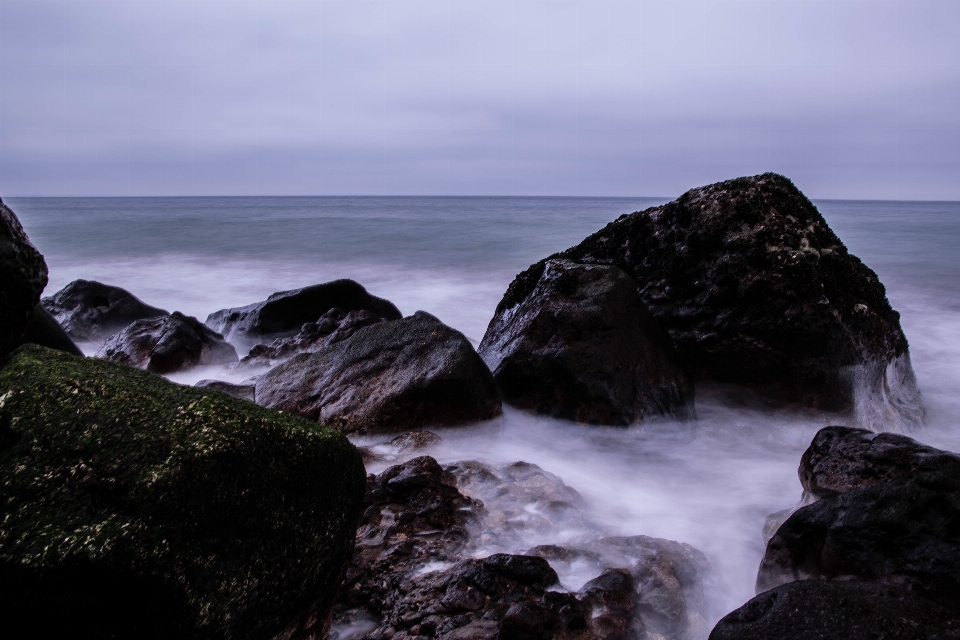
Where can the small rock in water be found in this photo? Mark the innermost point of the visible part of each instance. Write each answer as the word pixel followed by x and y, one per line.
pixel 284 313
pixel 582 346
pixel 91 311
pixel 389 376
pixel 415 441
pixel 167 344
pixel 242 391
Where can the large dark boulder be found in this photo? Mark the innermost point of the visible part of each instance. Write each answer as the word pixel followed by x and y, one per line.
pixel 841 459
pixel 91 311
pixel 900 531
pixel 582 346
pixel 168 344
pixel 45 331
pixel 756 290
pixel 23 275
pixel 816 609
pixel 284 313
pixel 392 376
pixel 132 507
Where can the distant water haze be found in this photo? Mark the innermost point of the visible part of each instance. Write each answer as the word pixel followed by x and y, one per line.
pixel 454 257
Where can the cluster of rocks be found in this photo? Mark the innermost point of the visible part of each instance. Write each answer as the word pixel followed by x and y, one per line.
pixel 422 566
pixel 877 552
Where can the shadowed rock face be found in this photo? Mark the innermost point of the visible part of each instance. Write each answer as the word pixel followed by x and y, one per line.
pixel 167 344
pixel 813 609
pixel 45 331
pixel 23 275
pixel 92 311
pixel 390 376
pixel 137 508
pixel 582 346
pixel 841 459
pixel 756 290
pixel 284 313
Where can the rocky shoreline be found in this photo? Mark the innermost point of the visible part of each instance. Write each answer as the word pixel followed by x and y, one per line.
pixel 239 509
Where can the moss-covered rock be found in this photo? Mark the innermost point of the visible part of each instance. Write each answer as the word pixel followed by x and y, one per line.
pixel 134 507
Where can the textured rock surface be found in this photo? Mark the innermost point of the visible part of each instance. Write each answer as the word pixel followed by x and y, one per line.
pixel 284 313
pixel 137 508
pixel 23 275
pixel 244 391
pixel 392 376
pixel 332 327
pixel 582 346
pixel 167 344
pixel 756 290
pixel 814 609
pixel 91 311
pixel 841 459
pixel 45 331
pixel 901 531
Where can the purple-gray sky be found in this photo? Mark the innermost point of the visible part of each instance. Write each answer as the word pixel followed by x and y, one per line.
pixel 851 99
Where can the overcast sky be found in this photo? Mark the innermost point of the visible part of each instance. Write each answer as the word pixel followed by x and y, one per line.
pixel 209 97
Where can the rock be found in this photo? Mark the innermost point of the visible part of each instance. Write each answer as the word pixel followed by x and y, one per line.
pixel 91 311
pixel 46 332
pixel 393 376
pixel 23 275
pixel 137 508
pixel 284 313
pixel 332 327
pixel 850 610
pixel 755 290
pixel 244 391
pixel 582 346
pixel 900 531
pixel 415 441
pixel 167 344
pixel 841 459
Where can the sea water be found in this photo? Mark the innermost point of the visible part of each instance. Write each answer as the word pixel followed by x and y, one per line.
pixel 454 257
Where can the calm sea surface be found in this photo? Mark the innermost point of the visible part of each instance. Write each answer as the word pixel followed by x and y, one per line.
pixel 454 257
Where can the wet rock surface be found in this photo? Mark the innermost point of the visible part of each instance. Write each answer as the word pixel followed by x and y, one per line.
pixel 23 275
pixel 91 311
pixel 283 314
pixel 582 346
pixel 243 391
pixel 46 332
pixel 426 565
pixel 841 459
pixel 332 327
pixel 390 376
pixel 813 609
pixel 167 344
pixel 133 507
pixel 756 290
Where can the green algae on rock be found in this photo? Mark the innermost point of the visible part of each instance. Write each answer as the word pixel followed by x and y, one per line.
pixel 135 507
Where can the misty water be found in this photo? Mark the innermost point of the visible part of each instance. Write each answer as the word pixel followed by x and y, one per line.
pixel 454 257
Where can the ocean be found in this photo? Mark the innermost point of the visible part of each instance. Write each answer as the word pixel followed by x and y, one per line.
pixel 454 257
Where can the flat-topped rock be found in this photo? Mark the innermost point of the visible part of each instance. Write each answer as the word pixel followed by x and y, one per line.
pixel 283 314
pixel 167 344
pixel 582 346
pixel 138 508
pixel 23 275
pixel 756 290
pixel 91 311
pixel 401 375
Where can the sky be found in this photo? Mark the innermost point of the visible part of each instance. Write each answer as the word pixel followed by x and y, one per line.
pixel 850 99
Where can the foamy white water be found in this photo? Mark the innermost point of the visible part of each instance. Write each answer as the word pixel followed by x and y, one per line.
pixel 454 257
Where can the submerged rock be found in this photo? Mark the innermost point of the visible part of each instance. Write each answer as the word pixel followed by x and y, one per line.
pixel 23 275
pixel 168 344
pixel 332 327
pixel 392 376
pixel 582 346
pixel 756 290
pixel 137 508
pixel 841 459
pixel 91 311
pixel 46 332
pixel 284 313
pixel 849 610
